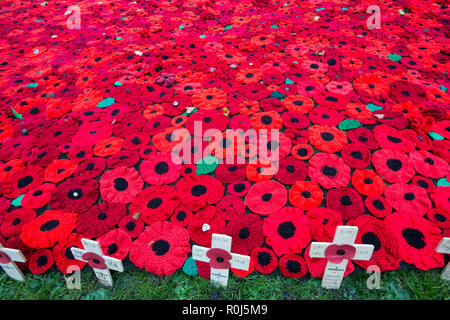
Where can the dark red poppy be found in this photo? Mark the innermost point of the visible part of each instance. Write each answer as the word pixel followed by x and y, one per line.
pixel 230 207
pixel 265 260
pixel 100 219
pixel 394 167
pixel 291 170
pixel 42 157
pixel 115 243
pixel 63 256
pixel 378 206
pixel 316 266
pixel 14 221
pixel 197 192
pixel 41 261
pixel 423 183
pixel 439 218
pixel 246 232
pixel 135 141
pixel 266 197
pixel 363 136
pixel 392 139
pixel 91 167
pixel 346 201
pixel 302 151
pixel 356 155
pixel 77 194
pixel 94 260
pixel 23 181
pixel 123 158
pixel 120 185
pixel 239 188
pixel 147 152
pixel 231 172
pixel 325 116
pixel 131 225
pixel 322 223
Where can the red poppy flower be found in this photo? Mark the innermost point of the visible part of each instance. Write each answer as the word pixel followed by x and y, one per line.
pixel 115 243
pixel 363 136
pixel 169 139
pixel 120 185
pixel 346 201
pixel 286 231
pixel 90 133
pixel 147 152
pixel 239 188
pixel 417 239
pixel 156 125
pixel 42 157
pixel 265 260
pixel 440 197
pixel 131 225
pixel 77 194
pixel 231 172
pixel 439 218
pixel 302 151
pixel 368 183
pixel 49 228
pixel 197 192
pixel 94 260
pixel 181 216
pixel 247 233
pixel 202 121
pixel 230 206
pixel 429 165
pixel 203 224
pixel 59 170
pixel 322 223
pixel 269 120
pixel 378 206
pixel 356 155
pixel 325 116
pixel 107 147
pixel 294 120
pixel 317 266
pixel 14 221
pixel 392 139
pixel 211 98
pixel 336 253
pixel 10 167
pixel 423 183
pixel 41 261
pixel 135 141
pixel 123 158
pixel 260 170
pixel 293 266
pixel 266 197
pixel 291 170
pixel 22 181
pixel 394 167
pixel 326 138
pixel 299 104
pixel 38 197
pixel 328 170
pixel 408 198
pixel 63 256
pixel 372 83
pixel 161 249
pixel 305 195
pixel 160 169
pixel 100 219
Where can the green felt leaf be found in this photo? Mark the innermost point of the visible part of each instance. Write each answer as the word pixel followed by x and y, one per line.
pixel 106 102
pixel 348 124
pixel 443 183
pixel 31 85
pixel 373 107
pixel 394 57
pixel 17 201
pixel 17 115
pixel 288 81
pixel 207 165
pixel 435 136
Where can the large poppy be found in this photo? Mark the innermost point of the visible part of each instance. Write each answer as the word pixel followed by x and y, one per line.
pixel 291 170
pixel 429 165
pixel 392 139
pixel 346 201
pixel 123 158
pixel 408 198
pixel 265 260
pixel 393 166
pixel 197 192
pixel 211 98
pixel 327 138
pixel 100 218
pixel 328 170
pixel 266 197
pixel 203 224
pixel 77 194
pixel 181 216
pixel 22 181
pixel 246 232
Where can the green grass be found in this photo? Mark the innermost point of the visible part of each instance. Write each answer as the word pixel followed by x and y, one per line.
pixel 398 285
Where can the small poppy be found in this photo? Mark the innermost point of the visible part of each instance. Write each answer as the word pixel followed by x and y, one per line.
pixel 239 188
pixel 346 201
pixel 293 266
pixel 115 243
pixel 356 155
pixel 266 197
pixel 120 185
pixel 14 221
pixel 328 170
pixel 247 233
pixel 327 138
pixel 199 191
pixel 90 167
pixel 38 197
pixel 393 166
pixel 302 151
pixel 41 261
pixel 59 170
pixel 368 183
pixel 322 223
pixel 408 198
pixel 203 224
pixel 131 225
pixel 265 260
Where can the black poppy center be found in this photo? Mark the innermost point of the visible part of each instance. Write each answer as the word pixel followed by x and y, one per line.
pixel 102 216
pixel 23 182
pixel 306 194
pixel 266 197
pixel 160 247
pixel 181 215
pixel 154 203
pixel 244 233
pixel 75 194
pixel 302 152
pixel 327 136
pixel 409 196
pixel 198 190
pixel 346 201
pixel 16 221
pixel 120 184
pixel 161 168
pixel 357 155
pixel 264 258
pixel 414 238
pixel 378 204
pixel 371 238
pixel 42 261
pixel 293 266
pixel 130 225
pixel 266 120
pixel 112 248
pixel 394 139
pixel 330 172
pixel 394 164
pixel 68 253
pixel 286 230
pixel 429 161
pixel 49 225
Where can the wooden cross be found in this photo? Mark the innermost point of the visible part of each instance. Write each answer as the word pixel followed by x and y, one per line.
pixel 93 255
pixel 220 258
pixel 444 247
pixel 338 253
pixel 7 259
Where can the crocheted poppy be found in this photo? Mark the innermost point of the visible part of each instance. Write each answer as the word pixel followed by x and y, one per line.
pixel 197 192
pixel 147 152
pixel 266 197
pixel 203 224
pixel 356 155
pixel 181 216
pixel 115 243
pixel 394 167
pixel 378 206
pixel 392 139
pixel 77 194
pixel 41 261
pixel 49 228
pixel 120 185
pixel 247 233
pixel 135 141
pixel 202 121
pixel 22 181
pixel 10 167
pixel 14 221
pixel 327 138
pixel 161 248
pixel 363 136
pixel 91 167
pixel 59 170
pixel 188 170
pixel 439 218
pixel 317 266
pixel 440 197
pixel 100 218
pixel 286 231
pixel 429 165
pixel 408 198
pixel 230 207
pixel 265 260
pixel 373 231
pixel 107 147
pixel 423 183
pixel 299 104
pixel 325 116
pixel 42 156
pixel 346 201
pixel 260 170
pixel 211 98
pixel 155 203
pixel 368 183
pixel 328 170
pixel 269 120
pixel 156 125
pixel 239 188
pixel 417 239
pixel 62 253
pixel 322 223
pixel 302 151
pixel 292 266
pixel 78 154
pixel 123 158
pixel 294 120
pixel 160 169
pixel 231 172
pixel 131 225
pixel 291 170
pixel 305 195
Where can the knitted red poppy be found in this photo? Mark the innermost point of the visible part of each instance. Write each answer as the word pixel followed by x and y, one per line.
pixel 115 243
pixel 108 146
pixel 260 170
pixel 49 228
pixel 231 172
pixel 394 167
pixel 181 216
pixel 291 170
pixel 14 221
pixel 239 188
pixel 373 231
pixel 91 167
pixel 100 218
pixel 417 238
pixel 197 192
pixel 423 183
pixel 135 141
pixel 78 154
pixel 363 136
pixel 327 138
pixel 441 198
pixel 22 181
pixel 266 197
pixel 439 218
pixel 325 116
pixel 230 207
pixel 123 158
pixel 169 139
pixel 328 170
pixel 392 139
pixel 305 195
pixel 294 120
pixel 302 151
pixel 429 165
pixel 132 226
pixel 59 170
pixel 77 194
pixel 269 120
pixel 286 231
pixel 155 203
pixel 120 185
pixel 161 248
pixel 42 157
pixel 317 266
pixel 265 260
pixel 38 197
pixel 15 242
pixel 293 266
pixel 322 223
pixel 203 120
pixel 41 261
pixel 368 183
pixel 378 206
pixel 408 198
pixel 203 224
pixel 147 152
pixel 160 169
pixel 356 155
pixel 246 232
pixel 10 167
pixel 346 201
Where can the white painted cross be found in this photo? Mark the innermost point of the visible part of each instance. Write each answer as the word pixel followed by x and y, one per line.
pixel 444 247
pixel 220 258
pixel 7 259
pixel 93 255
pixel 338 253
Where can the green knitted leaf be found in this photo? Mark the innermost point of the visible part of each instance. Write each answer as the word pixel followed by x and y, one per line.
pixel 373 107
pixel 394 57
pixel 17 115
pixel 435 136
pixel 443 183
pixel 288 81
pixel 207 165
pixel 106 102
pixel 190 267
pixel 348 124
pixel 17 201
pixel 277 95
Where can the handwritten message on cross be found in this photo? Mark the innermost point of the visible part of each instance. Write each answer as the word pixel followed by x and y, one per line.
pixel 220 258
pixel 338 253
pixel 444 247
pixel 7 259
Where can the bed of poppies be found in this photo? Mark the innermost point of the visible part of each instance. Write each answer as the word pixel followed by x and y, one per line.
pixel 89 115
